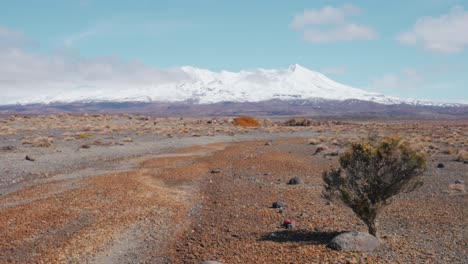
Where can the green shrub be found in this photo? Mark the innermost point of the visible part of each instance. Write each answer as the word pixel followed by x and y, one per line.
pixel 372 173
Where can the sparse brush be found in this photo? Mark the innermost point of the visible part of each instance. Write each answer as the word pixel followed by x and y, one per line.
pixel 371 174
pixel 84 135
pixel 246 121
pixel 449 151
pixel 463 156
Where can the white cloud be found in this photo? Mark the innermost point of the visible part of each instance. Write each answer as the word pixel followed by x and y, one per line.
pixel 447 33
pixel 26 74
pixel 326 15
pixel 9 39
pixel 72 39
pixel 124 28
pixel 335 70
pixel 409 78
pixel 331 24
pixel 346 32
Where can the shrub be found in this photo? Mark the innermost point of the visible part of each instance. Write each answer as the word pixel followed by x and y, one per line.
pixel 84 135
pixel 371 174
pixel 462 156
pixel 246 121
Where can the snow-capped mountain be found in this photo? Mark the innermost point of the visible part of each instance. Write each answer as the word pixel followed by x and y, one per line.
pixel 205 87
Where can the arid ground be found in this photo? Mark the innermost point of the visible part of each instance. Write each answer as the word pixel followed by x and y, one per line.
pixel 140 189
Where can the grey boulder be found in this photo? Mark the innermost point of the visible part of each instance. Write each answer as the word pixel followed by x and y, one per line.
pixel 354 241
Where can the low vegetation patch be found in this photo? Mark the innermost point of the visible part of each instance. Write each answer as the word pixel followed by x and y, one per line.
pixel 246 121
pixel 370 174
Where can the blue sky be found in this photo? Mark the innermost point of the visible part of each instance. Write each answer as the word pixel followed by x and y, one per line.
pixel 403 48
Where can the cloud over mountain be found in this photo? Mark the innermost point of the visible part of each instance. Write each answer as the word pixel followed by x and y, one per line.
pixel 447 33
pixel 332 24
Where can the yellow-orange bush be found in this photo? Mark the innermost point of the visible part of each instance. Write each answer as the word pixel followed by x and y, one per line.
pixel 246 121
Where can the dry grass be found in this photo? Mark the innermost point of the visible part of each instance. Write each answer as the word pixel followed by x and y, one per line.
pixel 246 121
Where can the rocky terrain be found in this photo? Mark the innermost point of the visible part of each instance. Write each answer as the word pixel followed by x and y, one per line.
pixel 134 188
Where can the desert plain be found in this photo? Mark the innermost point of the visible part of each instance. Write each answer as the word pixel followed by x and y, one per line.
pixel 79 188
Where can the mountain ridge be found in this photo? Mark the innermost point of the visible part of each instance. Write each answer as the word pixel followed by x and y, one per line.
pixel 203 86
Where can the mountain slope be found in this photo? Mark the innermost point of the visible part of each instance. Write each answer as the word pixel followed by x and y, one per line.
pixel 206 87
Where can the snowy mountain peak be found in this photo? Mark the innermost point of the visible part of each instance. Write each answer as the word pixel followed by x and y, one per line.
pixel 188 83
pixel 298 67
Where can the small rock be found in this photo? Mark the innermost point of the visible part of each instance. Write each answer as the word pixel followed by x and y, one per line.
pixel 273 235
pixel 289 223
pixel 314 141
pixel 440 165
pixel 210 262
pixel 332 153
pixel 457 188
pixel 320 148
pixel 279 204
pixel 42 142
pixel 7 148
pixel 318 229
pixel 282 210
pixel 85 146
pixel 269 143
pixel 458 181
pixel 29 158
pixel 127 139
pixel 296 180
pixel 354 241
pixel 216 171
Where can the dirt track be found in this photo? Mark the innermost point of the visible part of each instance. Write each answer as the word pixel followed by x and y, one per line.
pixel 172 209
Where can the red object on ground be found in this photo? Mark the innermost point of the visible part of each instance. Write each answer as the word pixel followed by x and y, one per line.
pixel 289 222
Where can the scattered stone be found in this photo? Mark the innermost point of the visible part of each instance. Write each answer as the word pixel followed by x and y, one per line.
pixel 295 180
pixel 289 223
pixel 318 229
pixel 354 241
pixel 269 143
pixel 314 141
pixel 457 188
pixel 38 141
pixel 331 153
pixel 216 171
pixel 85 146
pixel 102 143
pixel 127 139
pixel 440 165
pixel 300 122
pixel 458 182
pixel 320 148
pixel 462 156
pixel 8 148
pixel 273 235
pixel 29 158
pixel 26 142
pixel 279 204
pixel 282 210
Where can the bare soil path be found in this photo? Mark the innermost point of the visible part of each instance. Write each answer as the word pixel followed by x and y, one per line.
pixel 213 202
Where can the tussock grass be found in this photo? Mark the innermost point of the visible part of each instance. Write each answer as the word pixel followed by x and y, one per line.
pixel 246 121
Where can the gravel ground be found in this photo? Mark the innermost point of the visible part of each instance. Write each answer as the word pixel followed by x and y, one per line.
pixel 171 190
pixel 237 224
